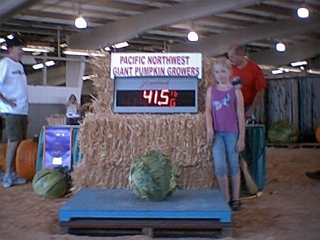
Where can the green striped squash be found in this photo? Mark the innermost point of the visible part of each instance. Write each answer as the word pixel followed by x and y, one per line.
pixel 50 183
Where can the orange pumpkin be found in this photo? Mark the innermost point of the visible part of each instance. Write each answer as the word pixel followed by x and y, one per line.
pixel 318 134
pixel 26 158
pixel 3 151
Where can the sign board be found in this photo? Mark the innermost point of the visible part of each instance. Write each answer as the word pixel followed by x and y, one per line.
pixel 156 65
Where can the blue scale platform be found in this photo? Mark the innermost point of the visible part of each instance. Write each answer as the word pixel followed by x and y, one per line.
pixel 123 203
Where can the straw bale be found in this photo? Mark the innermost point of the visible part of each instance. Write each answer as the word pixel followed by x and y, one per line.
pixel 117 177
pixel 117 139
pixel 110 142
pixel 56 119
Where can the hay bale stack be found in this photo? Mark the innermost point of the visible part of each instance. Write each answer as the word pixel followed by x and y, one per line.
pixel 109 142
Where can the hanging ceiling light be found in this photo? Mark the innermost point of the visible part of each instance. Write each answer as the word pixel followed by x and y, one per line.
pixel 303 12
pixel 80 23
pixel 280 47
pixel 193 36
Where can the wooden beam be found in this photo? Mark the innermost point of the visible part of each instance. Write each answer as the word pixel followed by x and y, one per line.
pixel 10 8
pixel 128 28
pixel 293 53
pixel 218 44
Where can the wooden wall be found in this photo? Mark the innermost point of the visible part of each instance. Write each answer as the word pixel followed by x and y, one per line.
pixel 294 99
pixel 309 93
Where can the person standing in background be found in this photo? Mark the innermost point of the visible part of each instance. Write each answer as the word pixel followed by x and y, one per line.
pixel 14 106
pixel 253 81
pixel 73 110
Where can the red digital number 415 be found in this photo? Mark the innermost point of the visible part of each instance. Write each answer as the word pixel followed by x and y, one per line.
pixel 161 97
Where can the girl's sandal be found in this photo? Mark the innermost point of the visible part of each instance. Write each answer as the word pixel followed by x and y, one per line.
pixel 236 205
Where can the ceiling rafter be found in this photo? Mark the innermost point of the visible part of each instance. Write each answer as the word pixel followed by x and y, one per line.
pixel 9 8
pixel 249 34
pixel 293 53
pixel 126 29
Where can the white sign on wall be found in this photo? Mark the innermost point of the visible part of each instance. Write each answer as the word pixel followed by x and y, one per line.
pixel 156 65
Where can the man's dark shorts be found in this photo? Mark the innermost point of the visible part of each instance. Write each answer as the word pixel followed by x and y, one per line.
pixel 16 127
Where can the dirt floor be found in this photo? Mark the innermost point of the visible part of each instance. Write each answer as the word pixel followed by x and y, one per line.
pixel 289 208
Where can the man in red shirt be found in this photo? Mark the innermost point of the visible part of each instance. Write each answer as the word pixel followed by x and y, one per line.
pixel 253 82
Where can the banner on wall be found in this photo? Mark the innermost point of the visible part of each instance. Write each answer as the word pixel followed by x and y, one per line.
pixel 156 65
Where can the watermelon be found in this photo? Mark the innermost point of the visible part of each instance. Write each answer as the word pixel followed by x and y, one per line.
pixel 153 176
pixel 283 132
pixel 50 183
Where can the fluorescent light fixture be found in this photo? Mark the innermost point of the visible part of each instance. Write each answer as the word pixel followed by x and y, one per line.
pixel 121 45
pixel 50 63
pixel 41 49
pixel 88 77
pixel 40 65
pixel 303 12
pixel 89 53
pixel 289 69
pixel 297 64
pixel 280 47
pixel 278 71
pixel 80 23
pixel 37 66
pixel 36 53
pixel 2 40
pixel 32 48
pixel 313 71
pixel 193 36
pixel 266 67
pixel 10 36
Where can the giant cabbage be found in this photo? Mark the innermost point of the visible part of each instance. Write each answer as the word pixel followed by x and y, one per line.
pixel 153 176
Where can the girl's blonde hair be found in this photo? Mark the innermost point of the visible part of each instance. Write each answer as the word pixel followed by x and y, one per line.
pixel 223 62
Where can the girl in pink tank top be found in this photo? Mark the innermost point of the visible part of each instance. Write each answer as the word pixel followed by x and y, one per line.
pixel 225 130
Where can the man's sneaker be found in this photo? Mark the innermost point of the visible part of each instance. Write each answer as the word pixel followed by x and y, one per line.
pixel 17 180
pixel 7 180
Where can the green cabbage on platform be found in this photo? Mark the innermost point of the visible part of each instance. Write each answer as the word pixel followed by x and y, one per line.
pixel 153 176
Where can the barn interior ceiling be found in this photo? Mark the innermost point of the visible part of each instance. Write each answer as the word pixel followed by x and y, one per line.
pixel 163 26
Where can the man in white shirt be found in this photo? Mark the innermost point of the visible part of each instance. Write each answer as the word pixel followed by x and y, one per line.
pixel 14 105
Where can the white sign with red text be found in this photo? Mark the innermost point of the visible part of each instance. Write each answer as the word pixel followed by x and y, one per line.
pixel 156 65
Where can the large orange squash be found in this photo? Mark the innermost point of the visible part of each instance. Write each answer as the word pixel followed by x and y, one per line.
pixel 3 151
pixel 26 158
pixel 318 134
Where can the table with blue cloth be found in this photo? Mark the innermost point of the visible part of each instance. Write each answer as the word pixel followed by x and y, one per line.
pixel 76 155
pixel 254 153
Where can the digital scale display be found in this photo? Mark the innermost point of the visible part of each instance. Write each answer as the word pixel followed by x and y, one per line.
pixel 156 95
pixel 156 98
